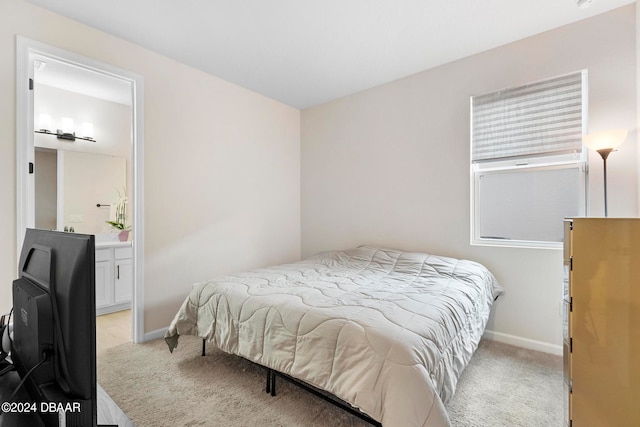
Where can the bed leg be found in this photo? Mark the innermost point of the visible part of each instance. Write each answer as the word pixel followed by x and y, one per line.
pixel 273 383
pixel 204 345
pixel 268 389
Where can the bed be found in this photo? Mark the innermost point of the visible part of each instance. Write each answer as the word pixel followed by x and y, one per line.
pixel 389 332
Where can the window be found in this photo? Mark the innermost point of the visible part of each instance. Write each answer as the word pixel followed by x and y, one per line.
pixel 528 168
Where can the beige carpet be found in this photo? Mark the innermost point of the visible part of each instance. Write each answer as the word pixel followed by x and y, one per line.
pixel 509 386
pixel 503 386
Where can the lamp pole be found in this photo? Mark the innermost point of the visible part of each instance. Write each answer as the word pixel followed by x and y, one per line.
pixel 604 153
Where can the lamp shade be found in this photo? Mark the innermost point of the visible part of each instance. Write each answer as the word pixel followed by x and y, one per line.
pixel 610 139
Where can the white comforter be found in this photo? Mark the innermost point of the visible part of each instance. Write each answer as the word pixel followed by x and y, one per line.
pixel 387 331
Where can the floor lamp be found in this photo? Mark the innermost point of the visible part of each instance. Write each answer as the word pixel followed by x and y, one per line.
pixel 604 143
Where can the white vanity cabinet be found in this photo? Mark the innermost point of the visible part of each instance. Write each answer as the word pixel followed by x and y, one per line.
pixel 114 277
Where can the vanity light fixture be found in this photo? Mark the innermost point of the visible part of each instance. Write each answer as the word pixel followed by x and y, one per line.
pixel 66 132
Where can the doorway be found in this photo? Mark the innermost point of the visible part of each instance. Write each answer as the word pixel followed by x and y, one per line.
pixel 71 66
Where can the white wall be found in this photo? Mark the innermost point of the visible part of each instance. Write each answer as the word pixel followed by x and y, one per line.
pixel 222 164
pixel 390 165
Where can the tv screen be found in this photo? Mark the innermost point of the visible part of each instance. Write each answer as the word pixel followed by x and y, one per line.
pixel 54 344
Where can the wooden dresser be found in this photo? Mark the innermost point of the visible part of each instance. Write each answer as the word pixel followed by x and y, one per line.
pixel 601 316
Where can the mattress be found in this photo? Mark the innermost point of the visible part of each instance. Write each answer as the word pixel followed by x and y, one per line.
pixel 387 331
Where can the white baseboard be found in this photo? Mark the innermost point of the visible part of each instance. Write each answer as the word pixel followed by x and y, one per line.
pixel 154 335
pixel 523 342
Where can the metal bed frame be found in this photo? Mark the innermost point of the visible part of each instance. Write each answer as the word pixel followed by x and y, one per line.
pixel 271 389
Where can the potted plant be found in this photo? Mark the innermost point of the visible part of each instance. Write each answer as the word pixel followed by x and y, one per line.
pixel 120 219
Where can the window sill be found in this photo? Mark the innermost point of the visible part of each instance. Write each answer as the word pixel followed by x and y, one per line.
pixel 507 243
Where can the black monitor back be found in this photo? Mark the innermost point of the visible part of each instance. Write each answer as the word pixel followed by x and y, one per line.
pixel 60 266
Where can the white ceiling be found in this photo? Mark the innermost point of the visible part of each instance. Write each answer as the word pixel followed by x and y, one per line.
pixel 304 52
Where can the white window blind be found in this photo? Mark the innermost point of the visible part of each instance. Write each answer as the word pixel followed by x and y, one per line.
pixel 537 119
pixel 527 205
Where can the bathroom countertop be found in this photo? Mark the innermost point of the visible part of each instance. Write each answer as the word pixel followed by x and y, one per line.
pixel 112 244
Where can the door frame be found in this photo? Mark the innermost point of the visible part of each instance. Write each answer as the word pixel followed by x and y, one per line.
pixel 25 198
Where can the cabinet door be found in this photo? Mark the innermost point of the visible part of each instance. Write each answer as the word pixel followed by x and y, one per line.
pixel 104 279
pixel 123 280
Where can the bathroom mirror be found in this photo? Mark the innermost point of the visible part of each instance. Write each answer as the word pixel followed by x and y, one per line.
pixel 69 186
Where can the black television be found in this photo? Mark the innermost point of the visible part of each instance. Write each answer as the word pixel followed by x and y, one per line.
pixel 54 326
